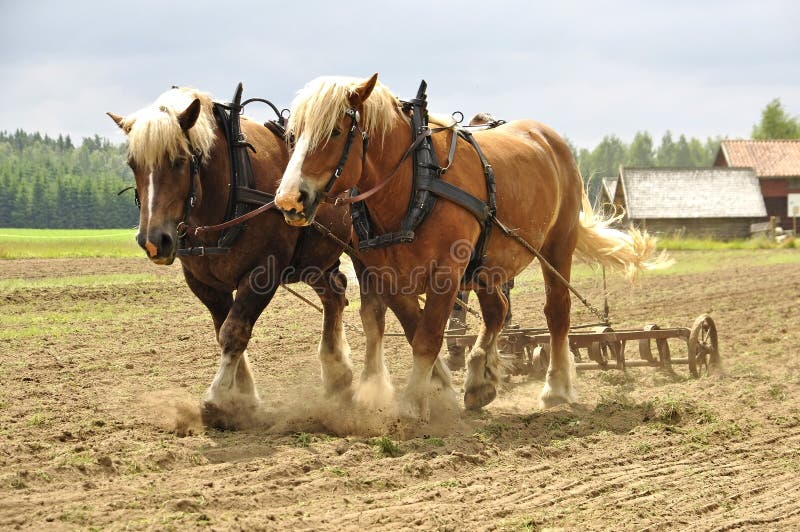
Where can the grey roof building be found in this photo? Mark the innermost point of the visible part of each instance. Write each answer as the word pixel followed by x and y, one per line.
pixel 714 202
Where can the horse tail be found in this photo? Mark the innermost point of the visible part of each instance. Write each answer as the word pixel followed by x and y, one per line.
pixel 630 251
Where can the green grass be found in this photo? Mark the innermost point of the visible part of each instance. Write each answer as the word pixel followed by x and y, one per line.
pixel 695 244
pixel 67 243
pixel 385 446
pixel 78 280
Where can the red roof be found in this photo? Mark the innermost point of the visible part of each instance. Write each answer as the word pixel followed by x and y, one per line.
pixel 769 158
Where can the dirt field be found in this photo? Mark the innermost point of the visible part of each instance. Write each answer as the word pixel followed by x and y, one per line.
pixel 93 379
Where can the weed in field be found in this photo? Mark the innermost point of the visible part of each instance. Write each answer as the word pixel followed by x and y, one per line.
pixel 37 420
pixel 525 524
pixel 491 432
pixel 76 515
pixel 452 483
pixel 304 439
pixel 777 392
pixel 134 468
pixel 702 435
pixel 669 410
pixel 643 448
pixel 337 471
pixel 436 442
pixel 386 447
pixel 614 402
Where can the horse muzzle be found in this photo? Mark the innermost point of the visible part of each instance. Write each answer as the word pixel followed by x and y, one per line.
pixel 159 246
pixel 299 210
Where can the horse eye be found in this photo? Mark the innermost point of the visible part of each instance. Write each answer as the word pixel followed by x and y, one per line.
pixel 335 133
pixel 178 163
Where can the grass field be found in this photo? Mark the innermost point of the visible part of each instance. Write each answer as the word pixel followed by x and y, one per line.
pixel 67 243
pixel 120 243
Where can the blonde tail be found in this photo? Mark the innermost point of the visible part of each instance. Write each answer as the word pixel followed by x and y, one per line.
pixel 631 251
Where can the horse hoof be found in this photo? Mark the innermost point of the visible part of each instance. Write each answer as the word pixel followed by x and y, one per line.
pixel 479 397
pixel 215 417
pixel 234 415
pixel 549 400
pixel 337 381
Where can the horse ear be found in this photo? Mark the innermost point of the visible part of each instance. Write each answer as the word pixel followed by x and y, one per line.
pixel 363 91
pixel 117 119
pixel 189 116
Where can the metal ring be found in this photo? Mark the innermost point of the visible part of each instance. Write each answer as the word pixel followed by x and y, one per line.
pixel 284 113
pixel 457 113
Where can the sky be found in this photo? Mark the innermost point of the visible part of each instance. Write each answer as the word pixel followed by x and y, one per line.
pixel 588 69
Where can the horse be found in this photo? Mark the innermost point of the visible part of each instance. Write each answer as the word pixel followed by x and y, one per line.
pixel 177 148
pixel 539 193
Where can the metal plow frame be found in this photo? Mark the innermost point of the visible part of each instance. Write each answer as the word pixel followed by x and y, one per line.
pixel 526 351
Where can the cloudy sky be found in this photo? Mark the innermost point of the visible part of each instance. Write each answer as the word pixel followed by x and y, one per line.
pixel 586 68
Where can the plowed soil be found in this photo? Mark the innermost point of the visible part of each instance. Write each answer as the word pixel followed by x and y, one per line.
pixel 99 420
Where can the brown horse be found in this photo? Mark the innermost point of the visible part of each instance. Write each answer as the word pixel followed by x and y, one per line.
pixel 162 140
pixel 539 194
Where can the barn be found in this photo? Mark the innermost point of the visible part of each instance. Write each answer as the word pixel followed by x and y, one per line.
pixel 719 203
pixel 777 165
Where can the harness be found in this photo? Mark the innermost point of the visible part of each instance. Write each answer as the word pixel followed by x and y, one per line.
pixel 427 184
pixel 242 194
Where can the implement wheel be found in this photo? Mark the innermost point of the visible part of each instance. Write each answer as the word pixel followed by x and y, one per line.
pixel 646 352
pixel 703 347
pixel 605 352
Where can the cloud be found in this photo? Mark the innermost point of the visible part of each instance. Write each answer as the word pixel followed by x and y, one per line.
pixel 587 69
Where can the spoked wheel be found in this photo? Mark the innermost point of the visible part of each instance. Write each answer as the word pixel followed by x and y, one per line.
pixel 703 347
pixel 646 352
pixel 605 352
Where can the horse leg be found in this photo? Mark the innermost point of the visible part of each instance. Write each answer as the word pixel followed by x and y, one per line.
pixel 232 395
pixel 217 302
pixel 425 345
pixel 458 321
pixel 558 387
pixel 484 368
pixel 334 351
pixel 408 312
pixel 375 389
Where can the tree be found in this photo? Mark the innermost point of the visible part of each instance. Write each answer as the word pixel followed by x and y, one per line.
pixel 640 152
pixel 665 156
pixel 776 123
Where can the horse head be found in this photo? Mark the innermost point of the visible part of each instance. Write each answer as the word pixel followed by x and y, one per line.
pixel 167 142
pixel 331 120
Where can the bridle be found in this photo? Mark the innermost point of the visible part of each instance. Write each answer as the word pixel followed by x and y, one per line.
pixel 355 117
pixel 191 198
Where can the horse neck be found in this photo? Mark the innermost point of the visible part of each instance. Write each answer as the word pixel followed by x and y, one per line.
pixel 388 207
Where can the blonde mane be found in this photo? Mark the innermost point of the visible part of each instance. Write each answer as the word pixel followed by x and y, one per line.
pixel 156 137
pixel 322 102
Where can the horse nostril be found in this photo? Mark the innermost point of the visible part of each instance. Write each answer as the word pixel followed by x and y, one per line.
pixel 165 246
pixel 141 239
pixel 302 196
